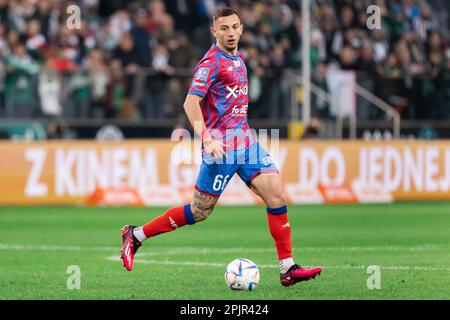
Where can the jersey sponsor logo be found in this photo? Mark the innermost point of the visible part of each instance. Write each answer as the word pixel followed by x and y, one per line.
pixel 198 84
pixel 267 160
pixel 235 91
pixel 202 74
pixel 240 110
pixel 236 64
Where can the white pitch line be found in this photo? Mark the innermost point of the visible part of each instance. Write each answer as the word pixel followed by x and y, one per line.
pixel 274 266
pixel 191 250
pixel 167 262
pixel 55 248
pixel 198 250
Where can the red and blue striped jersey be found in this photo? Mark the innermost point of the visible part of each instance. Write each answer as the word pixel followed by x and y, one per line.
pixel 221 80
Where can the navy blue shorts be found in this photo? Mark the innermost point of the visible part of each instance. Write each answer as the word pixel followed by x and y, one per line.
pixel 250 162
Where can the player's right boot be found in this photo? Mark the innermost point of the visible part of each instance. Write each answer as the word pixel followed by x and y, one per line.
pixel 296 274
pixel 129 247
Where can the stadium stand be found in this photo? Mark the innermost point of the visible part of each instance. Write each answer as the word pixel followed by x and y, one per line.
pixel 132 61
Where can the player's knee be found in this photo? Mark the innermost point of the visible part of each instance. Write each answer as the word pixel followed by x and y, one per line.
pixel 277 199
pixel 200 213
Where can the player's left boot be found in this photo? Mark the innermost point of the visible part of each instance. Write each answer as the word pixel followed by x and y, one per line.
pixel 129 247
pixel 296 274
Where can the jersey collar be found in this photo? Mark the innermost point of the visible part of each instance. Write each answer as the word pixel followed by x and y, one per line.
pixel 225 53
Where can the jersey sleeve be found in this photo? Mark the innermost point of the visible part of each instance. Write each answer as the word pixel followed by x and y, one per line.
pixel 206 73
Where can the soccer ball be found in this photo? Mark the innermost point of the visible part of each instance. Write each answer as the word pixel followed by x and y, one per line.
pixel 242 274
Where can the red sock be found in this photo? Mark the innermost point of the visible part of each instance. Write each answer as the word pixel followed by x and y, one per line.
pixel 281 232
pixel 169 221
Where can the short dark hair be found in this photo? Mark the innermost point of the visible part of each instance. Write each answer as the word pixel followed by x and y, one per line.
pixel 223 12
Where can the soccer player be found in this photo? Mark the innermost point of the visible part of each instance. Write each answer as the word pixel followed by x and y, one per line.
pixel 218 100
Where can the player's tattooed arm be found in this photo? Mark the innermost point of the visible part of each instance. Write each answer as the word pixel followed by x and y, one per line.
pixel 202 205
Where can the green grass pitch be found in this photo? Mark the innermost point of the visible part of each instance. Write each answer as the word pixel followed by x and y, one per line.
pixel 409 241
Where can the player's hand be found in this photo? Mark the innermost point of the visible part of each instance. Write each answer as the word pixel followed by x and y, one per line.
pixel 215 148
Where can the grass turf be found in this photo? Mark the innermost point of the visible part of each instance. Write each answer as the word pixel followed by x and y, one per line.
pixel 409 241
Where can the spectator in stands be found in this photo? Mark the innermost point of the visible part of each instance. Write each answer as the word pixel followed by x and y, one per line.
pixel 141 36
pixel 380 46
pixel 131 61
pixel 105 39
pixel 20 83
pixel 115 90
pixel 165 29
pixel 347 18
pixel 4 47
pixel 285 26
pixel 435 43
pixel 156 85
pixel 347 58
pixel 331 34
pixel 42 14
pixel 99 79
pixel 407 70
pixel 278 62
pixel 120 24
pixel 36 41
pixel 425 23
pixel 320 107
pixel 50 89
pixel 366 76
pixel 12 39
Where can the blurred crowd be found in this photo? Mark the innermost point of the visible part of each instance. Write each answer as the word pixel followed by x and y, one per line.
pixel 406 62
pixel 134 59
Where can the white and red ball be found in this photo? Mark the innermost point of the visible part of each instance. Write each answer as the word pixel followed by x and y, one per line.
pixel 242 274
